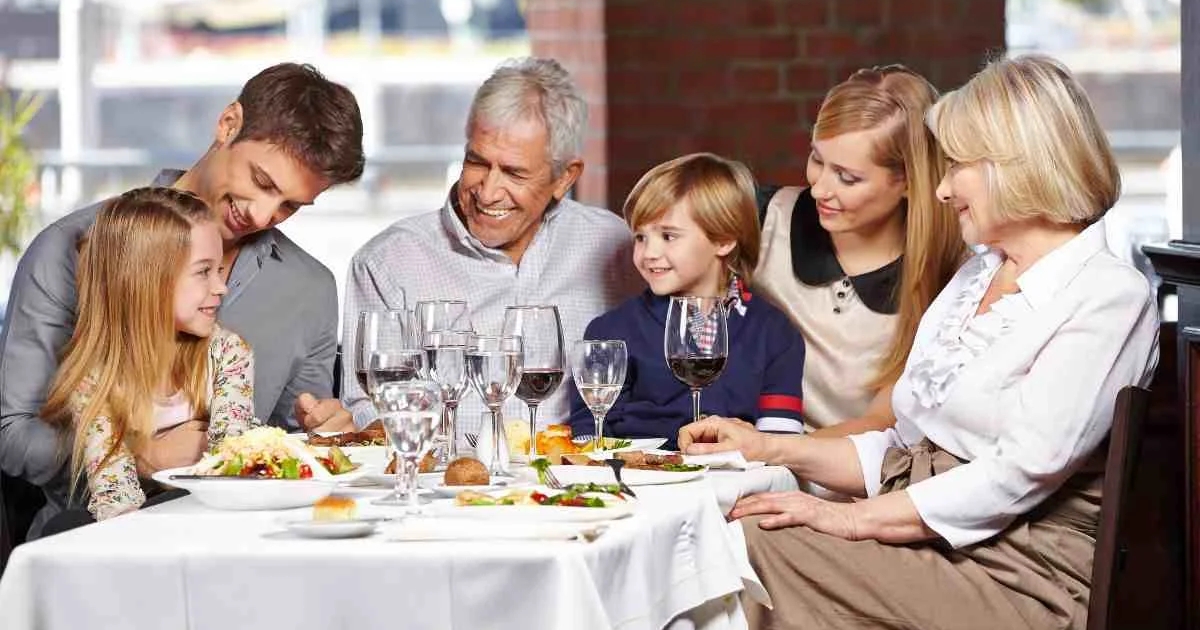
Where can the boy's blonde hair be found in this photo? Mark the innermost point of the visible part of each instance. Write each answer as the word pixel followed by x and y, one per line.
pixel 720 194
pixel 125 345
pixel 1031 126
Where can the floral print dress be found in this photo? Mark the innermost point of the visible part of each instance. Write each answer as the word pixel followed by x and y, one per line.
pixel 114 488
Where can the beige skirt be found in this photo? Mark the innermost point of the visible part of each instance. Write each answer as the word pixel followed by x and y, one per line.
pixel 1035 574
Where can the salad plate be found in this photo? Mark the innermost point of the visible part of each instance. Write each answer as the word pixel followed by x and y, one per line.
pixel 497 483
pixel 525 506
pixel 247 493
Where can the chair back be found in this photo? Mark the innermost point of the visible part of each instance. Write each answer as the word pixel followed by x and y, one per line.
pixel 1112 544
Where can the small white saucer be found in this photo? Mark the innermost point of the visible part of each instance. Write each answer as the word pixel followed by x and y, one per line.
pixel 354 528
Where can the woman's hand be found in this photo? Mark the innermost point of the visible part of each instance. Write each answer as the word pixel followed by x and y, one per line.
pixel 789 509
pixel 715 435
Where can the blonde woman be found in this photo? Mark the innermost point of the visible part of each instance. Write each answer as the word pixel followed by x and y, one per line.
pixel 147 354
pixel 856 258
pixel 696 232
pixel 981 504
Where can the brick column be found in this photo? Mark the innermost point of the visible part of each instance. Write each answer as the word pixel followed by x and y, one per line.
pixel 742 78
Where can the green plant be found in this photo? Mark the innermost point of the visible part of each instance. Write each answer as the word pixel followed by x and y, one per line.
pixel 17 168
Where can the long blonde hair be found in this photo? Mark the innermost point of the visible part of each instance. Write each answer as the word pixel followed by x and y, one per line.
pixel 720 194
pixel 125 341
pixel 895 98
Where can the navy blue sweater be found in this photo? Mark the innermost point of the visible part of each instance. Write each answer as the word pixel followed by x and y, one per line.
pixel 761 379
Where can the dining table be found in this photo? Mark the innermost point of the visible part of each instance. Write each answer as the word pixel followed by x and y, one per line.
pixel 675 562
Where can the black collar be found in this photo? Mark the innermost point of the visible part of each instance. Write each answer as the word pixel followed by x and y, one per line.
pixel 815 263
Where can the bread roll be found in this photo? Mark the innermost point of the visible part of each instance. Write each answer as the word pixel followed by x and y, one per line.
pixel 335 509
pixel 467 471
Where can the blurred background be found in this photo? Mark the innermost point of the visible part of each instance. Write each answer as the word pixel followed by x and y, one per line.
pixel 118 89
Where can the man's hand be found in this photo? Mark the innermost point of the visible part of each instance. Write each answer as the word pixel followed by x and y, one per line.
pixel 789 509
pixel 322 415
pixel 178 446
pixel 715 434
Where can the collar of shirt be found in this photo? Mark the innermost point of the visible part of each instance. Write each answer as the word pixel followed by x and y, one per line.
pixel 1046 277
pixel 815 263
pixel 459 233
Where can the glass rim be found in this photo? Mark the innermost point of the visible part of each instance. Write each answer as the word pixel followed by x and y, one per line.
pixel 442 301
pixel 598 341
pixel 531 307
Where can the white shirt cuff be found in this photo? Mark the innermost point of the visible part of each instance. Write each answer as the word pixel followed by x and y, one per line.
pixel 871 447
pixel 779 425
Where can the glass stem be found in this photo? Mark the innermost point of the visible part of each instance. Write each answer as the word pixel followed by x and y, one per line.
pixel 414 501
pixel 695 404
pixel 496 468
pixel 401 477
pixel 450 410
pixel 598 436
pixel 532 431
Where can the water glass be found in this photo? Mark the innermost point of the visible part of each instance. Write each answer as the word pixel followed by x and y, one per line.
pixel 598 367
pixel 494 367
pixel 410 411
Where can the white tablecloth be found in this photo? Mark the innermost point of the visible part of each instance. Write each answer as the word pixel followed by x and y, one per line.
pixel 181 565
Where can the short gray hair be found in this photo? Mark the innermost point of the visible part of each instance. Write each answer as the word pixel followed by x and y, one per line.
pixel 540 89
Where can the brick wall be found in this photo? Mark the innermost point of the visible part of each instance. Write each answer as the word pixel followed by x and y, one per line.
pixel 742 78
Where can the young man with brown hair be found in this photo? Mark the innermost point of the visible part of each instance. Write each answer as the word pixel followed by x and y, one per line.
pixel 290 135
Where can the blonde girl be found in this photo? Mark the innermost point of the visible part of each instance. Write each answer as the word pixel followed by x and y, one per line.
pixel 147 353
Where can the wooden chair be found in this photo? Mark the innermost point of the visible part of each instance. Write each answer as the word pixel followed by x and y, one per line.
pixel 1112 542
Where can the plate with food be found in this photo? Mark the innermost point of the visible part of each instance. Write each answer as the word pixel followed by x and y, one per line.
pixel 583 503
pixel 557 439
pixel 367 446
pixel 465 473
pixel 642 468
pixel 261 469
pixel 333 517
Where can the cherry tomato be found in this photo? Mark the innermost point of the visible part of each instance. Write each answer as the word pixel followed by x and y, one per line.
pixel 305 471
pixel 539 497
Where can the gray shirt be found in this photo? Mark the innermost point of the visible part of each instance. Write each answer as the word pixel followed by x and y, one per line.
pixel 281 300
pixel 580 260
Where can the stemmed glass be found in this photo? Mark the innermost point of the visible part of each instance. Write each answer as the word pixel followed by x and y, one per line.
pixel 494 366
pixel 410 411
pixel 540 330
pixel 445 352
pixel 696 342
pixel 434 315
pixel 380 332
pixel 599 371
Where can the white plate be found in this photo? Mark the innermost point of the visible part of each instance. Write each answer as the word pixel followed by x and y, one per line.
pixel 636 444
pixel 308 528
pixel 546 513
pixel 498 483
pixel 632 477
pixel 367 455
pixel 250 494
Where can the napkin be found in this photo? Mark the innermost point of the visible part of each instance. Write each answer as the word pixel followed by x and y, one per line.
pixel 728 460
pixel 434 529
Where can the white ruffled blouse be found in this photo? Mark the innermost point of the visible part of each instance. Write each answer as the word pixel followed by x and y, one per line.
pixel 1023 393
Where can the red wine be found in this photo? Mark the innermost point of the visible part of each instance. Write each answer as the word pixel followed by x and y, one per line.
pixel 537 384
pixel 388 375
pixel 696 371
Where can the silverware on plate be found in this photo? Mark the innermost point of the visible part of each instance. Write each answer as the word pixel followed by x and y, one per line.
pixel 616 465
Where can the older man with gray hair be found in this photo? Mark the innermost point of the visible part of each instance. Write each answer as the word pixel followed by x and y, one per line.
pixel 507 233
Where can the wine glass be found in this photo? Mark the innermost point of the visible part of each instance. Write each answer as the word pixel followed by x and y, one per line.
pixel 494 366
pixel 379 331
pixel 696 342
pixel 410 410
pixel 599 371
pixel 445 354
pixel 435 315
pixel 540 330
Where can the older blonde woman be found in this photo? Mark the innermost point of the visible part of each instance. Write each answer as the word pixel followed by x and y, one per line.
pixel 981 504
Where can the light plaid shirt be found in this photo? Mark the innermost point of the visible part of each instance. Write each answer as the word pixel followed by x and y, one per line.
pixel 580 260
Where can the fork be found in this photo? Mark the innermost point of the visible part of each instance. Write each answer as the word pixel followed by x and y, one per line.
pixel 616 465
pixel 472 438
pixel 552 482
